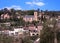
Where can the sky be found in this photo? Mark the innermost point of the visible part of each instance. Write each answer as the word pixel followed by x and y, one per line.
pixel 30 4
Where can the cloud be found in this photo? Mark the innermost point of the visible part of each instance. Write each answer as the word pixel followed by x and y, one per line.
pixel 28 2
pixel 37 3
pixel 14 6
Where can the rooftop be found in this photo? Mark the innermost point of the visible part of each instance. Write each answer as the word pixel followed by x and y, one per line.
pixel 29 16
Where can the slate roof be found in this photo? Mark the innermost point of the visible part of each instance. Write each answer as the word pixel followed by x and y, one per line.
pixel 29 16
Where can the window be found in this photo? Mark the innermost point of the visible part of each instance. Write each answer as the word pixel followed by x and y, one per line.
pixel 37 34
pixel 33 34
pixel 16 33
pixel 12 33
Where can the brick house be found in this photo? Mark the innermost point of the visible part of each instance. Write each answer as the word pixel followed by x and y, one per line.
pixel 31 18
pixel 5 16
pixel 32 30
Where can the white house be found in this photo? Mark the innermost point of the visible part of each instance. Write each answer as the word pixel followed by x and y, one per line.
pixel 11 33
pixel 16 32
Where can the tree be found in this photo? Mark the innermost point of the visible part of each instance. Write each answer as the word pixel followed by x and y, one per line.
pixel 5 39
pixel 35 22
pixel 55 29
pixel 48 34
pixel 30 12
pixel 34 37
pixel 27 40
pixel 18 22
pixel 13 13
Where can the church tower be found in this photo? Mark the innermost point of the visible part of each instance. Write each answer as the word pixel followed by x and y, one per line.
pixel 35 15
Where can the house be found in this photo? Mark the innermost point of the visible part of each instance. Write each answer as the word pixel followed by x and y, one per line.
pixel 31 27
pixel 5 16
pixel 40 16
pixel 58 17
pixel 31 18
pixel 32 30
pixel 18 15
pixel 4 32
pixel 11 33
pixel 33 33
pixel 58 23
pixel 47 17
pixel 6 24
pixel 17 32
pixel 35 30
pixel 39 28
